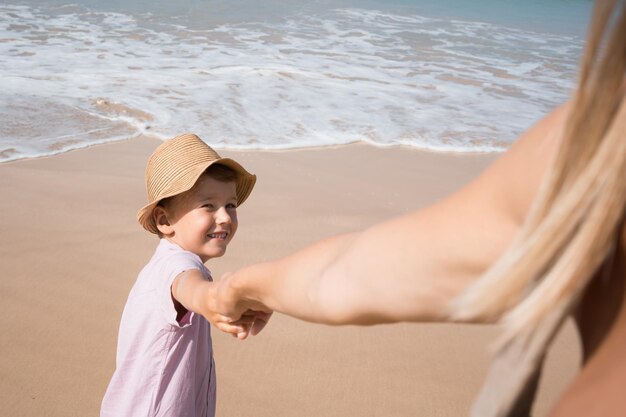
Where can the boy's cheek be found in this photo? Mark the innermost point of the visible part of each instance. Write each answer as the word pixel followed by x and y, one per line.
pixel 233 230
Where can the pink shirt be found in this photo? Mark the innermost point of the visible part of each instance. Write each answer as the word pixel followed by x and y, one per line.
pixel 163 368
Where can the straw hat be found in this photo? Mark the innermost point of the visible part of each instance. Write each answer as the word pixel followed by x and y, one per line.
pixel 175 166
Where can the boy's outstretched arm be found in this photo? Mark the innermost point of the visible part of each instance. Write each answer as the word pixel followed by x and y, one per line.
pixel 410 268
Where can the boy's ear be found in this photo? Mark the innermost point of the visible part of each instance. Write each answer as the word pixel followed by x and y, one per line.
pixel 161 219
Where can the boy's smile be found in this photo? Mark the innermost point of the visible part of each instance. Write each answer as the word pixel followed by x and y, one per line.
pixel 218 235
pixel 203 220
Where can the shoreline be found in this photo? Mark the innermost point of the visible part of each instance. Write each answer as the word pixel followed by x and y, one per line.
pixel 236 150
pixel 72 249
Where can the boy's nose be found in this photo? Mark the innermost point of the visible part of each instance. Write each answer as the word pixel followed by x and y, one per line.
pixel 222 216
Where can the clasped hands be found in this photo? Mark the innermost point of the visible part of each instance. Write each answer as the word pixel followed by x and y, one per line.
pixel 232 313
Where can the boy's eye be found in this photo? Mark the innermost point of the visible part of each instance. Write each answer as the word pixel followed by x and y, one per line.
pixel 208 206
pixel 231 206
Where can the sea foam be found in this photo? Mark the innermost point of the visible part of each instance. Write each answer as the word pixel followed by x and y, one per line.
pixel 72 77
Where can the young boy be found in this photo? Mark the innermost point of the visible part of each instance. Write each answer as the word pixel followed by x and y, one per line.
pixel 164 361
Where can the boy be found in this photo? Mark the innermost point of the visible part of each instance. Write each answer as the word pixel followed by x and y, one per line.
pixel 164 363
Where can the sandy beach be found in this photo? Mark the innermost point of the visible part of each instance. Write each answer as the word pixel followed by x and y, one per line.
pixel 71 250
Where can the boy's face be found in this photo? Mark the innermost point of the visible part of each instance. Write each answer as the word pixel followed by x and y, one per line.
pixel 204 219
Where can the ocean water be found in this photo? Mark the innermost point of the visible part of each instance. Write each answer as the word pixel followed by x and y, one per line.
pixel 453 76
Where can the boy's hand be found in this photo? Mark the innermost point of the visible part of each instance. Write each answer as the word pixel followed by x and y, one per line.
pixel 252 322
pixel 239 328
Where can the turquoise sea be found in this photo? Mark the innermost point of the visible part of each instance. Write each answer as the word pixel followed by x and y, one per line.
pixel 452 76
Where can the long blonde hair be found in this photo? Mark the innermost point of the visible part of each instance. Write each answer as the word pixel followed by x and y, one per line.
pixel 577 214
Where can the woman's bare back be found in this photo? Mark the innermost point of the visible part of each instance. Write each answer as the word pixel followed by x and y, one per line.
pixel 598 390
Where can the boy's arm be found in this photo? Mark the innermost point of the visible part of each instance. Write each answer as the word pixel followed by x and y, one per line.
pixel 410 268
pixel 196 293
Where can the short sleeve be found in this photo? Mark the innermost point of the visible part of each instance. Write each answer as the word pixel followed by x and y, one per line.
pixel 172 266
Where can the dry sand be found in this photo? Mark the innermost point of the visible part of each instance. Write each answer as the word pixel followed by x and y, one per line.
pixel 71 249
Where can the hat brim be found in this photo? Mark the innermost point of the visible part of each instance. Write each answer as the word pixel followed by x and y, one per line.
pixel 244 184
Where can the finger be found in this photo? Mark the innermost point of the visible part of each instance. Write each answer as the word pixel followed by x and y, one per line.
pixel 246 316
pixel 232 319
pixel 223 318
pixel 244 330
pixel 261 321
pixel 242 335
pixel 230 328
pixel 257 326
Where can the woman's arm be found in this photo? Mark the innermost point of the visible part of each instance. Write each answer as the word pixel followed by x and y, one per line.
pixel 409 268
